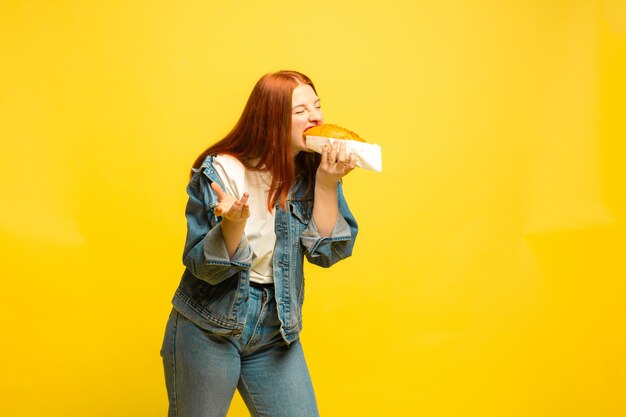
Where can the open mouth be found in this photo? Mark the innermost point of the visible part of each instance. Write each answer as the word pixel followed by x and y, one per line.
pixel 307 128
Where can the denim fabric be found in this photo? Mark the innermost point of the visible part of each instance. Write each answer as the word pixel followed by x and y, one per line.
pixel 213 291
pixel 203 369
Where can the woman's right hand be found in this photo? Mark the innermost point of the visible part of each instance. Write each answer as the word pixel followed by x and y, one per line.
pixel 335 163
pixel 229 208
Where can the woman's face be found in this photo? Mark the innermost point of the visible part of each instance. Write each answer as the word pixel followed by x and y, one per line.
pixel 306 112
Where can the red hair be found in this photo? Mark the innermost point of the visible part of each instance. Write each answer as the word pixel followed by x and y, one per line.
pixel 263 134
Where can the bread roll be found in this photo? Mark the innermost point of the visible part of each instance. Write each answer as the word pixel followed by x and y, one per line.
pixel 333 131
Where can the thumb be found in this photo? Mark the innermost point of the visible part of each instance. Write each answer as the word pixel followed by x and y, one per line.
pixel 218 190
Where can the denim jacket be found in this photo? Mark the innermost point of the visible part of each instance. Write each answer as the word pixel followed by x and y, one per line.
pixel 214 287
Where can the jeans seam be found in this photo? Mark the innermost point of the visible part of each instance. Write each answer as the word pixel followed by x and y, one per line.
pixel 258 322
pixel 173 347
pixel 256 410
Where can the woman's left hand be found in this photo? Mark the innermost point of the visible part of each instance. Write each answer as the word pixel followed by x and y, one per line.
pixel 335 164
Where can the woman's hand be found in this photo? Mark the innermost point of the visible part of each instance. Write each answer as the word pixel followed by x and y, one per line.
pixel 229 208
pixel 335 164
pixel 234 215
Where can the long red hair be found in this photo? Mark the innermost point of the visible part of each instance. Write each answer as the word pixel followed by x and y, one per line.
pixel 263 134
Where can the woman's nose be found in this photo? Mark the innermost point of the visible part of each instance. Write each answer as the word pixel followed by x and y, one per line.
pixel 315 115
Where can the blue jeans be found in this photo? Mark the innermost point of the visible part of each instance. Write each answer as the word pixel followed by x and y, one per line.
pixel 203 369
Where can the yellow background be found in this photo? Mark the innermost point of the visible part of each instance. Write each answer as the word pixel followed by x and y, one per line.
pixel 488 276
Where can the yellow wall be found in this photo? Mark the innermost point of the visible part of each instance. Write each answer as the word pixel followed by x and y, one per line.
pixel 488 277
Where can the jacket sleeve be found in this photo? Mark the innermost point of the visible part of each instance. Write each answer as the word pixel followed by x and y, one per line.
pixel 326 251
pixel 205 254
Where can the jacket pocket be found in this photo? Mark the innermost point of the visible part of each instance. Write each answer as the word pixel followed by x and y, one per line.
pixel 302 210
pixel 217 300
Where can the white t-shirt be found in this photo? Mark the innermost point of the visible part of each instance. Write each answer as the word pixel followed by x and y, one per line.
pixel 259 228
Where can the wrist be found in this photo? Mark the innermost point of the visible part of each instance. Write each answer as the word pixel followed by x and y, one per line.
pixel 325 182
pixel 233 222
pixel 326 186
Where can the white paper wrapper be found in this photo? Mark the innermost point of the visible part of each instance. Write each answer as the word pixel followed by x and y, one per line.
pixel 369 155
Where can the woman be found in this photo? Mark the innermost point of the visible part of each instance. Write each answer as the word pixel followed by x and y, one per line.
pixel 259 202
